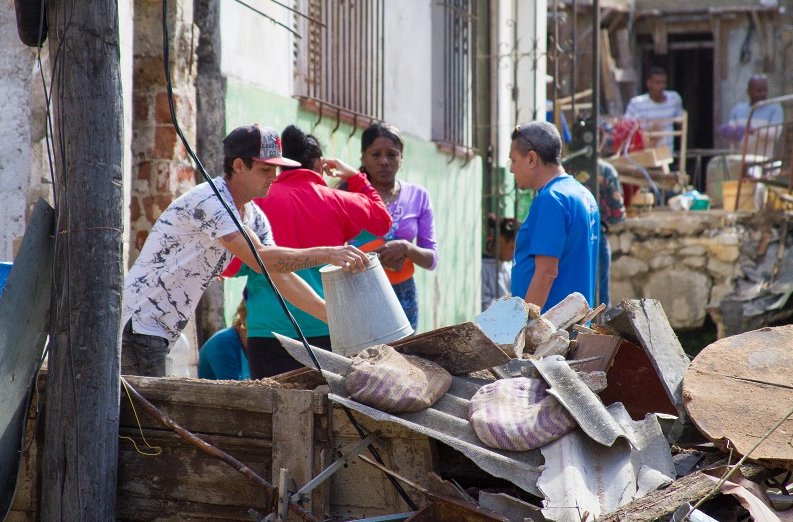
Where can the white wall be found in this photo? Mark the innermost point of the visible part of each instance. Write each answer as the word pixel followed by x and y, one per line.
pixel 125 36
pixel 532 48
pixel 16 66
pixel 408 65
pixel 255 49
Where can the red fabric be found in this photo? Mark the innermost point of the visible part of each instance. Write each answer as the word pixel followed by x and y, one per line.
pixel 304 212
pixel 628 191
pixel 625 129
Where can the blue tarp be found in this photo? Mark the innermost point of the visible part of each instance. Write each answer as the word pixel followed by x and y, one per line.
pixel 5 269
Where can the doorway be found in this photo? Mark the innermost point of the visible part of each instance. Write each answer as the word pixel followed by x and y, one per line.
pixel 689 67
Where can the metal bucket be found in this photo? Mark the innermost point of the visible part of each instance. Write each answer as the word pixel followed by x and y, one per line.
pixel 363 309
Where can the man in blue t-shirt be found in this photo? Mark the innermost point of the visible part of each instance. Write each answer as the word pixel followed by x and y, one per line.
pixel 557 247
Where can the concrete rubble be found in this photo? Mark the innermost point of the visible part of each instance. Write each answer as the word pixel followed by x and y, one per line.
pixel 634 441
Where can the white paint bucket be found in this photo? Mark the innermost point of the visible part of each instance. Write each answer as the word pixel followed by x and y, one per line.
pixel 363 309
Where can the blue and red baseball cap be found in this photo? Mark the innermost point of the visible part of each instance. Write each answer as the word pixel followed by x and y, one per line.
pixel 257 143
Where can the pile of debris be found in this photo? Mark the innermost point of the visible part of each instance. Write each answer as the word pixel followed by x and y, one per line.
pixel 527 402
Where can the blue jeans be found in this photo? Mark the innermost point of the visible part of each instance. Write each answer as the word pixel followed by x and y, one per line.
pixel 408 298
pixel 604 270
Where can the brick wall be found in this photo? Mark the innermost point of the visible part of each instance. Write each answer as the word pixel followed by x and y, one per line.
pixel 161 170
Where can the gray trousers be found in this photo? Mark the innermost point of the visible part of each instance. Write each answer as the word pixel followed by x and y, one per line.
pixel 142 354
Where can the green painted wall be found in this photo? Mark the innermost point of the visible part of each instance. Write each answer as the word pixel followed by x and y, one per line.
pixel 451 293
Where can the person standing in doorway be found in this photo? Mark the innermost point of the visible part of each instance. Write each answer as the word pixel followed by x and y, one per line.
pixel 656 108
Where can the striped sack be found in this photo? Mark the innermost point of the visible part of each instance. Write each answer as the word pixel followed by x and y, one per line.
pixel 518 415
pixel 387 380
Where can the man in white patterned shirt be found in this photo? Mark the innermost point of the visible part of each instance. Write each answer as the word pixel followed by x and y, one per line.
pixel 656 104
pixel 193 241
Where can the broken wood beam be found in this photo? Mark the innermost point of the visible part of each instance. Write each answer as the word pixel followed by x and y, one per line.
pixel 664 502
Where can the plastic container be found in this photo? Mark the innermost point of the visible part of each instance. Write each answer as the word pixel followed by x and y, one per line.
pixel 363 309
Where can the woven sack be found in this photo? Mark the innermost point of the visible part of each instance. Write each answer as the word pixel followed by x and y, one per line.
pixel 518 415
pixel 387 380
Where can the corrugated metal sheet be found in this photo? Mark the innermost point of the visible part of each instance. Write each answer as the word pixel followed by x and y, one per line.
pixel 446 421
pixel 581 476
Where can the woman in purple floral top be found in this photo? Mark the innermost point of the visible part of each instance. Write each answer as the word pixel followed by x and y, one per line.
pixel 411 240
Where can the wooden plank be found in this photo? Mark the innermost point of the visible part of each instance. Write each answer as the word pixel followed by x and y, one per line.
pixel 182 474
pixel 611 91
pixel 293 435
pixel 461 348
pixel 409 453
pixel 244 395
pixel 141 509
pixel 660 504
pixel 595 345
pixel 202 419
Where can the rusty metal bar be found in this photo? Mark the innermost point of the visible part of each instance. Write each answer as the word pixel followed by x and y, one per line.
pixel 768 138
pixel 459 33
pixel 346 56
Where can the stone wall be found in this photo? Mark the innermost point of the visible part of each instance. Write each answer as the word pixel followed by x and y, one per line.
pixel 689 261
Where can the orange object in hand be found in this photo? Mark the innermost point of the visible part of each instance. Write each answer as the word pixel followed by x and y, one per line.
pixel 394 276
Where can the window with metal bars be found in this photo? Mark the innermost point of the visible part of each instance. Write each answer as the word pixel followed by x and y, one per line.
pixel 453 74
pixel 339 60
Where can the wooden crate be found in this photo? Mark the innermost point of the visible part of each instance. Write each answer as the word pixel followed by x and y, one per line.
pixel 265 428
pixel 729 189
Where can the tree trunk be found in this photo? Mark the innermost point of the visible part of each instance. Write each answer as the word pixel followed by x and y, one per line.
pixel 80 454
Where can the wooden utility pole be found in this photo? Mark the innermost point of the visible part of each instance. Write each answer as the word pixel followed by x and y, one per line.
pixel 80 454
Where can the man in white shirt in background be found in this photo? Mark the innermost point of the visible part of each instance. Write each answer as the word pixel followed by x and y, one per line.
pixel 656 104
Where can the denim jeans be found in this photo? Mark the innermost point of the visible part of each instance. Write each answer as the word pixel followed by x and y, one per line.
pixel 408 298
pixel 142 354
pixel 604 269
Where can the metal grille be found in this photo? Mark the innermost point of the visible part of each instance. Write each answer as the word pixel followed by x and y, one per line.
pixel 345 59
pixel 455 93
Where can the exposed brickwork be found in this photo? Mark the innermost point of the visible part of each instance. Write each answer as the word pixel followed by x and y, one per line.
pixel 162 112
pixel 164 142
pixel 161 170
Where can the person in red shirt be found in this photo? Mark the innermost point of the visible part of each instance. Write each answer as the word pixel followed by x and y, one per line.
pixel 303 210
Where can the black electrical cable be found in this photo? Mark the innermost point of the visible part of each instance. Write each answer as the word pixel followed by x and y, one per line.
pixel 259 262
